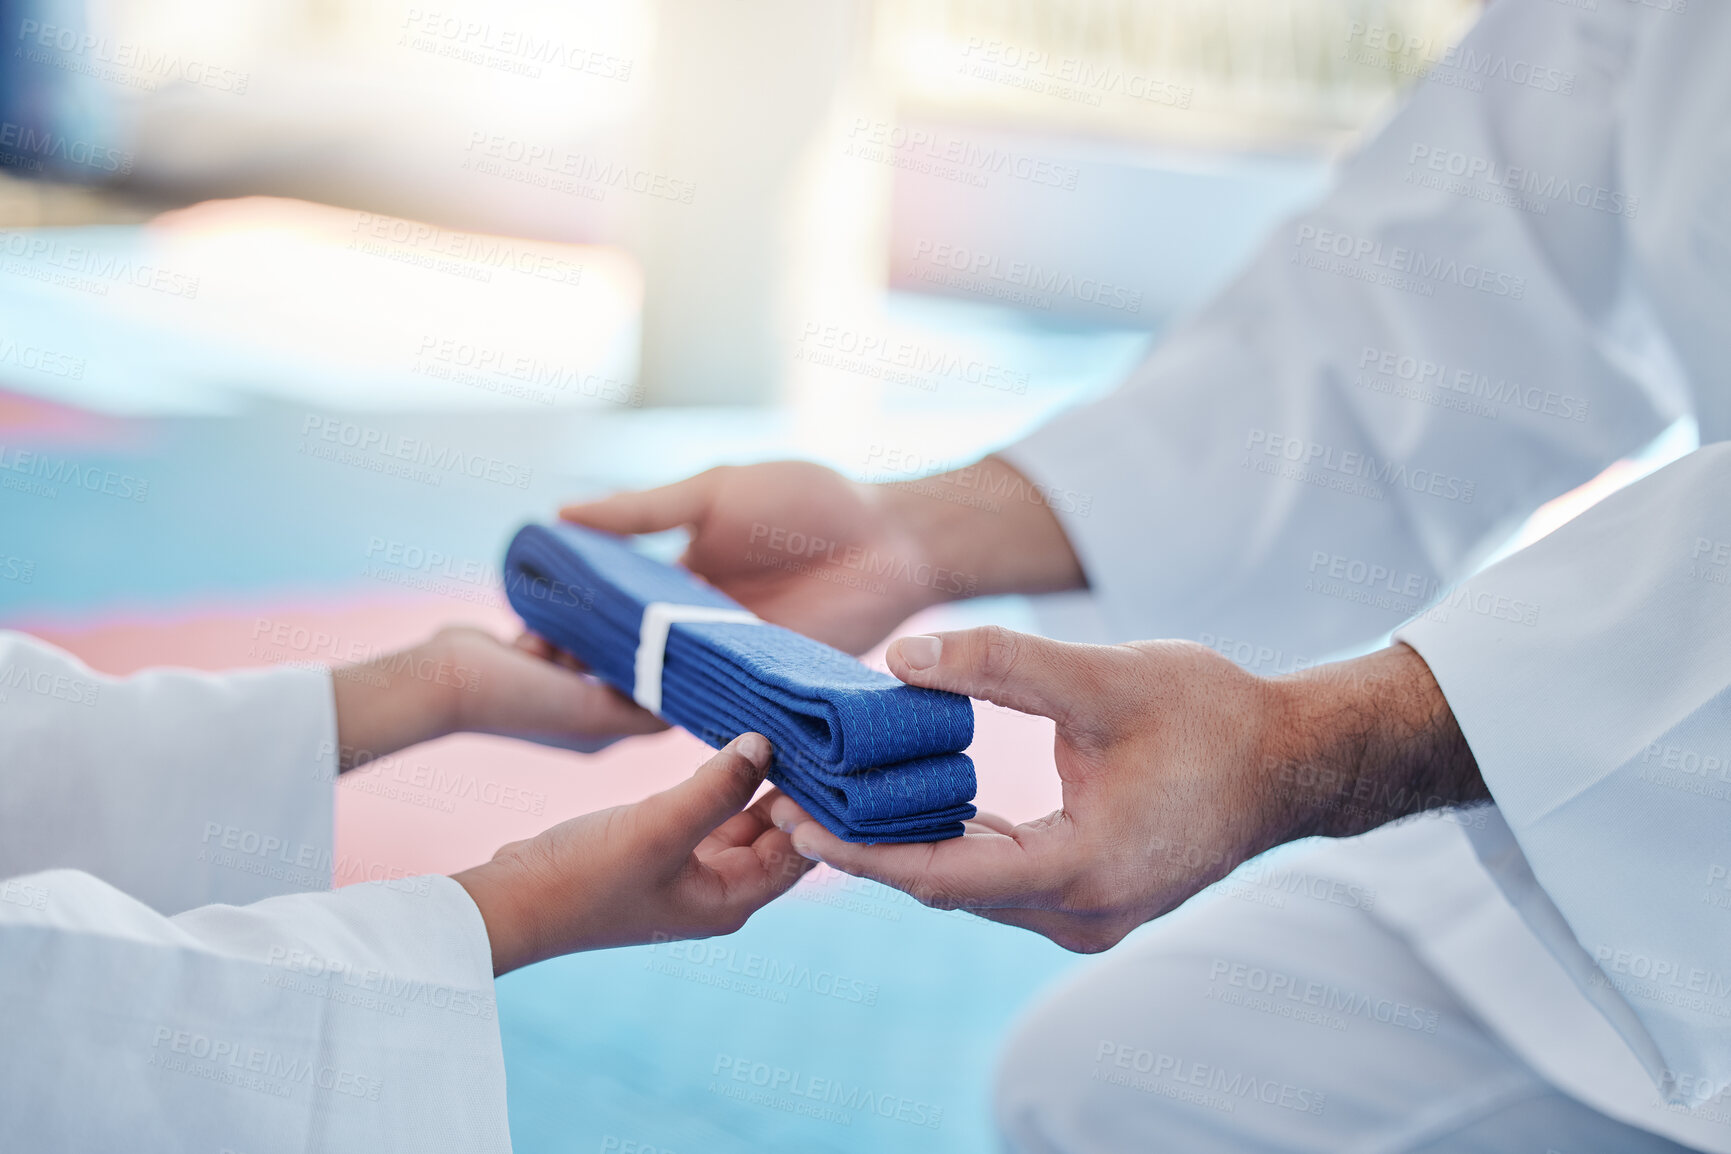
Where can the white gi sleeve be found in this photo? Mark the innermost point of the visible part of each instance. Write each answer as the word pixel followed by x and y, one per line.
pixel 361 1019
pixel 179 787
pixel 1591 675
pixel 1398 380
pixel 357 1020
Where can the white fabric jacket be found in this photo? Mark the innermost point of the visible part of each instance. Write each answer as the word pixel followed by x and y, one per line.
pixel 1523 276
pixel 165 984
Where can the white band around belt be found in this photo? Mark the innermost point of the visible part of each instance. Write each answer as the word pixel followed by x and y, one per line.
pixel 658 618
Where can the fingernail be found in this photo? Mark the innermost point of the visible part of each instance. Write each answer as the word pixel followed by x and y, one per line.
pixel 754 747
pixel 806 852
pixel 920 652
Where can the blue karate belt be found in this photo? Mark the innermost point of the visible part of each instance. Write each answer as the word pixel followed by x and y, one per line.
pixel 869 758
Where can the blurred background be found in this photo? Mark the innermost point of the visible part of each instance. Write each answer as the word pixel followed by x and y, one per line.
pixel 306 304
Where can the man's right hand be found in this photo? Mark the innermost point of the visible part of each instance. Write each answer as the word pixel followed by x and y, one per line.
pixel 802 546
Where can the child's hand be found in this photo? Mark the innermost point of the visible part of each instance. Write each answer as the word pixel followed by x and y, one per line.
pixel 467 680
pixel 531 690
pixel 690 862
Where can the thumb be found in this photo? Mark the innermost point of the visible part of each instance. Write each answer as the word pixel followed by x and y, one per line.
pixel 650 510
pixel 680 817
pixel 1016 670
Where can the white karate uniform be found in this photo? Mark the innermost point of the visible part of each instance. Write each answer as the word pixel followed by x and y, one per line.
pixel 1525 275
pixel 166 984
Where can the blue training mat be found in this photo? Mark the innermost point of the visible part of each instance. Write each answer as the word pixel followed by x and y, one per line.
pixel 872 759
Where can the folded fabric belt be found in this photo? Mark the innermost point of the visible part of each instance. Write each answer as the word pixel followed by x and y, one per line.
pixel 872 759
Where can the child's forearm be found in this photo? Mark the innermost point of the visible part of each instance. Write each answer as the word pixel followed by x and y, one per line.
pixel 399 700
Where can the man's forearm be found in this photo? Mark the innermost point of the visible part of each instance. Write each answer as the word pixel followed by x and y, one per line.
pixel 990 522
pixel 1356 744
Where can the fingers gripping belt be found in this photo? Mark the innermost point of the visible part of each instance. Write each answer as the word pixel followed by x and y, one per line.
pixel 872 759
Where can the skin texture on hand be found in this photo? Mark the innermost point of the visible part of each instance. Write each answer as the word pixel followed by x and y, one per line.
pixel 804 547
pixel 690 862
pixel 1176 767
pixel 465 680
pixel 1364 742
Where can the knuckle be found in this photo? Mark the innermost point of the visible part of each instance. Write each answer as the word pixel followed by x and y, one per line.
pixel 997 651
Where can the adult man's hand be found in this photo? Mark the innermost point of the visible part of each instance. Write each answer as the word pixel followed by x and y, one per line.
pixel 1176 767
pixel 802 546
